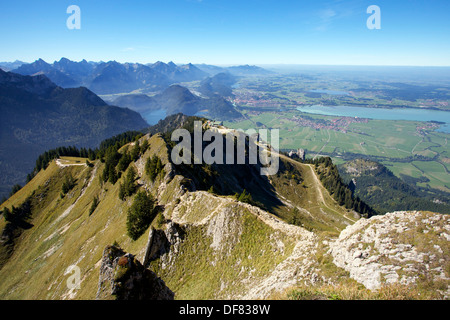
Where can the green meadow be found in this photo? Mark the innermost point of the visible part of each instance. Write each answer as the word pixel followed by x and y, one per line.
pixel 405 150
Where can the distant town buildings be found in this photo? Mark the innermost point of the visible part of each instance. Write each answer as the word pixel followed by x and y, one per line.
pixel 254 99
pixel 338 124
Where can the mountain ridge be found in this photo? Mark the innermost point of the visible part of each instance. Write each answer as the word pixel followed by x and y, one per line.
pixel 113 77
pixel 178 99
pixel 198 233
pixel 37 115
pixel 196 236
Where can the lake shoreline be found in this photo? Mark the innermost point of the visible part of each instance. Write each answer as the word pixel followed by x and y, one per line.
pixel 406 114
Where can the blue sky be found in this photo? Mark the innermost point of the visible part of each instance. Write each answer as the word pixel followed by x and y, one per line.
pixel 331 32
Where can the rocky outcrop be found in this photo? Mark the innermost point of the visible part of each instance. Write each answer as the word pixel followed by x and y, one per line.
pixel 403 247
pixel 228 239
pixel 123 277
pixel 160 241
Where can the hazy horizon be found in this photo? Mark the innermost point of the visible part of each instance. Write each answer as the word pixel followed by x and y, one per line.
pixel 267 65
pixel 324 32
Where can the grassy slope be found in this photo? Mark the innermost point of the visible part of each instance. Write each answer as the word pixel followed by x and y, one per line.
pixel 60 241
pixel 316 209
pixel 62 237
pixel 203 270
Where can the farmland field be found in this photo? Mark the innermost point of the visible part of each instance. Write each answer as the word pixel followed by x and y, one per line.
pixel 407 148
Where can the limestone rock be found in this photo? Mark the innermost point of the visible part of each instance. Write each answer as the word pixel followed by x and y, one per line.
pixel 397 247
pixel 123 277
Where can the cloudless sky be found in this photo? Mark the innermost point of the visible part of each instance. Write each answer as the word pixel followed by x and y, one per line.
pixel 413 32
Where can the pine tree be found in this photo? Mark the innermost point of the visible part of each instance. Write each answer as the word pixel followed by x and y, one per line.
pixel 124 162
pixel 245 197
pixel 129 185
pixel 94 205
pixel 135 152
pixel 140 215
pixel 7 215
pixel 112 174
pixel 144 146
pixel 153 167
pixel 68 184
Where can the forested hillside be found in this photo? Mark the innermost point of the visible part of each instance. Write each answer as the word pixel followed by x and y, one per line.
pixel 379 187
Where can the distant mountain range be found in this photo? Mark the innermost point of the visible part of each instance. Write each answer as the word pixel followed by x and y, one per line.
pixel 8 66
pixel 178 99
pixel 244 70
pixel 37 115
pixel 44 105
pixel 52 72
pixel 219 84
pixel 113 77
